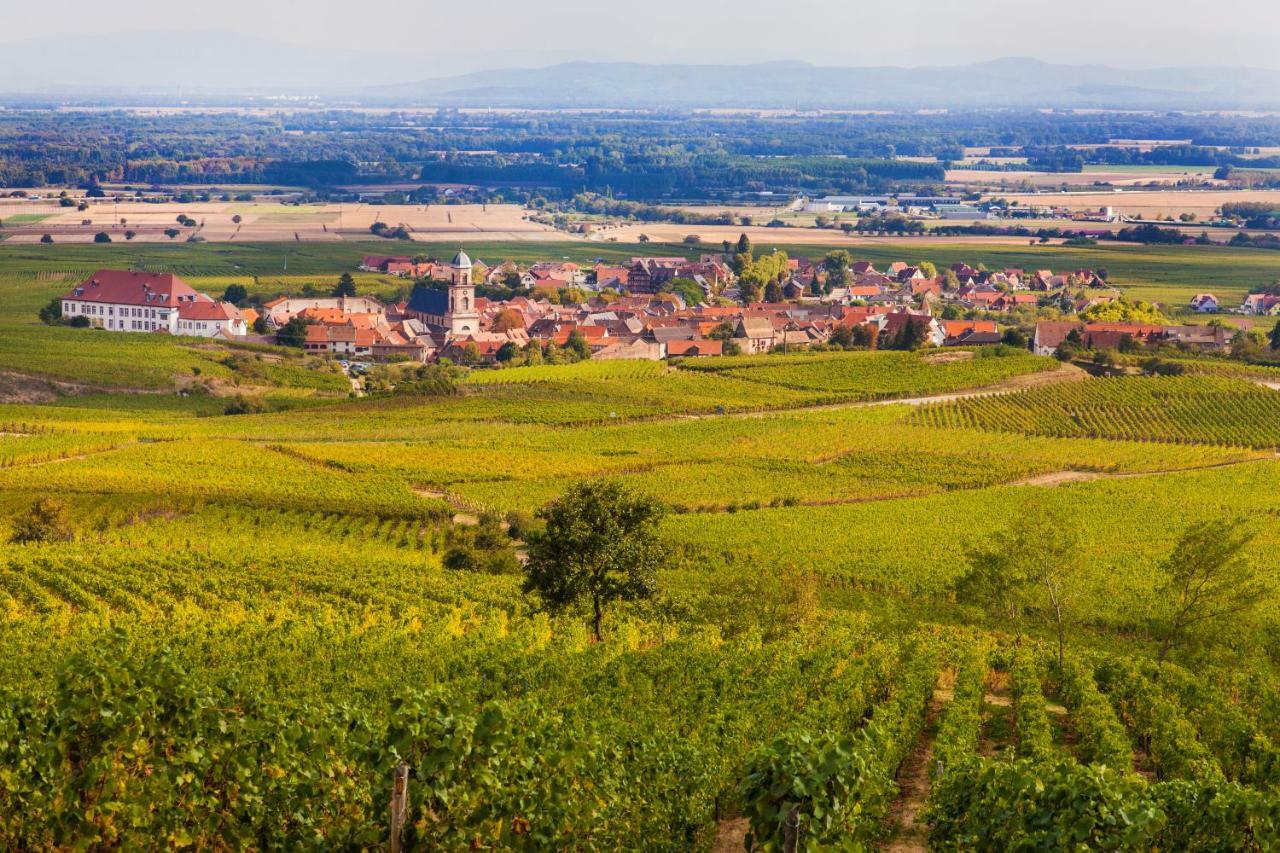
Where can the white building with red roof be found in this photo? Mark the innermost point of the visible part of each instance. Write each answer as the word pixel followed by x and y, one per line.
pixel 205 318
pixel 130 301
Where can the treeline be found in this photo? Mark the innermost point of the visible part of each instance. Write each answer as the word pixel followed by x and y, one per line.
pixel 1255 214
pixel 674 175
pixel 638 155
pixel 1064 159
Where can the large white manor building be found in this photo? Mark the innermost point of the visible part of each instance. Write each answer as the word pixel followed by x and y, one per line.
pixel 137 301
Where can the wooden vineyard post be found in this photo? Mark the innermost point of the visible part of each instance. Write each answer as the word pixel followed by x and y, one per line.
pixel 791 831
pixel 399 806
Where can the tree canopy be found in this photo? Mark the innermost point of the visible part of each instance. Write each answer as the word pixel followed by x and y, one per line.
pixel 600 546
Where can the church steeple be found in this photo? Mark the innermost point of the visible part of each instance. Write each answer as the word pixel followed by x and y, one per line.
pixel 463 317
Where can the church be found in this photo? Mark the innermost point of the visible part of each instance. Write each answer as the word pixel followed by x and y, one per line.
pixel 452 312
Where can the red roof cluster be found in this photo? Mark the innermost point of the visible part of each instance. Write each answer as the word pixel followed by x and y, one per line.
pixel 134 287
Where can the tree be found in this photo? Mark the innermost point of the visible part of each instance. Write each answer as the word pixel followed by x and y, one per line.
pixel 690 291
pixel 909 338
pixel 46 238
pixel 1015 338
pixel 293 333
pixel 171 232
pixel 260 326
pixel 46 521
pixel 102 237
pixel 1207 581
pixel 1274 338
pixel 346 285
pixel 692 240
pixel 508 319
pixel 837 266
pixel 928 268
pixel 577 345
pixel 841 336
pixel 744 244
pixel 507 352
pixel 237 219
pixel 236 294
pixel 600 546
pixel 773 292
pixel 51 314
pixel 130 234
pixel 1033 571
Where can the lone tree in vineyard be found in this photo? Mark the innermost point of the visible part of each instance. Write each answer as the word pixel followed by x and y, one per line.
pixel 600 546
pixel 1208 581
pixel 1033 572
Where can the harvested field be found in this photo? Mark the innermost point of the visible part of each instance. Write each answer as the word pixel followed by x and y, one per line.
pixel 269 222
pixel 1147 203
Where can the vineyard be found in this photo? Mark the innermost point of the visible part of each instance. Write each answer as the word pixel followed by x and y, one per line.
pixel 239 626
pixel 1199 410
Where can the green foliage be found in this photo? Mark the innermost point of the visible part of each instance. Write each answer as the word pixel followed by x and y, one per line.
pixel 600 546
pixel 1160 408
pixel 1208 582
pixel 1100 736
pixel 831 789
pixel 346 285
pixel 1028 805
pixel 293 333
pixel 236 294
pixel 1031 720
pixel 961 723
pixel 45 521
pixel 1157 725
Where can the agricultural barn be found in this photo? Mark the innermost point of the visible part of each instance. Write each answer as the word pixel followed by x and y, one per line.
pixel 130 301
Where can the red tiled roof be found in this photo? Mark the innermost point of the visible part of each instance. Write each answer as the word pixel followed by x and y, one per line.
pixel 205 310
pixel 131 287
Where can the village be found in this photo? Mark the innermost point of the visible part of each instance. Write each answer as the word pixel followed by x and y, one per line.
pixel 654 308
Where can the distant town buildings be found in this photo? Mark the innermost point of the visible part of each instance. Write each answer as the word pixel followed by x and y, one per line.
pixel 650 308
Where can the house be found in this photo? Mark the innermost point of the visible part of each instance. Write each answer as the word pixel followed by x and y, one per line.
pixel 1050 335
pixel 793 289
pixel 636 349
pixel 1209 338
pixel 378 263
pixel 694 349
pixel 282 310
pixel 928 329
pixel 1261 304
pixel 754 335
pixel 207 319
pixel 130 301
pixel 1204 303
pixel 959 331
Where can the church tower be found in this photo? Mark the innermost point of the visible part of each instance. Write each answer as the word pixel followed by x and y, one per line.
pixel 463 319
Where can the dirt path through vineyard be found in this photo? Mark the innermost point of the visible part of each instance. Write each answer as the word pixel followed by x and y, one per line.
pixel 910 834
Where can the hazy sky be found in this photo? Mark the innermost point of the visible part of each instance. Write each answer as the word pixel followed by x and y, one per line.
pixel 494 33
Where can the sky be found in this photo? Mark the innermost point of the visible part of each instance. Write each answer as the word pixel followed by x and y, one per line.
pixel 433 38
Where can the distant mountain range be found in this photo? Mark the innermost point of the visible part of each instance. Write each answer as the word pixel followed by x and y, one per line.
pixel 1024 83
pixel 222 67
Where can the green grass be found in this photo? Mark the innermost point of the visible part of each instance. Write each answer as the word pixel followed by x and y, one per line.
pixel 24 218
